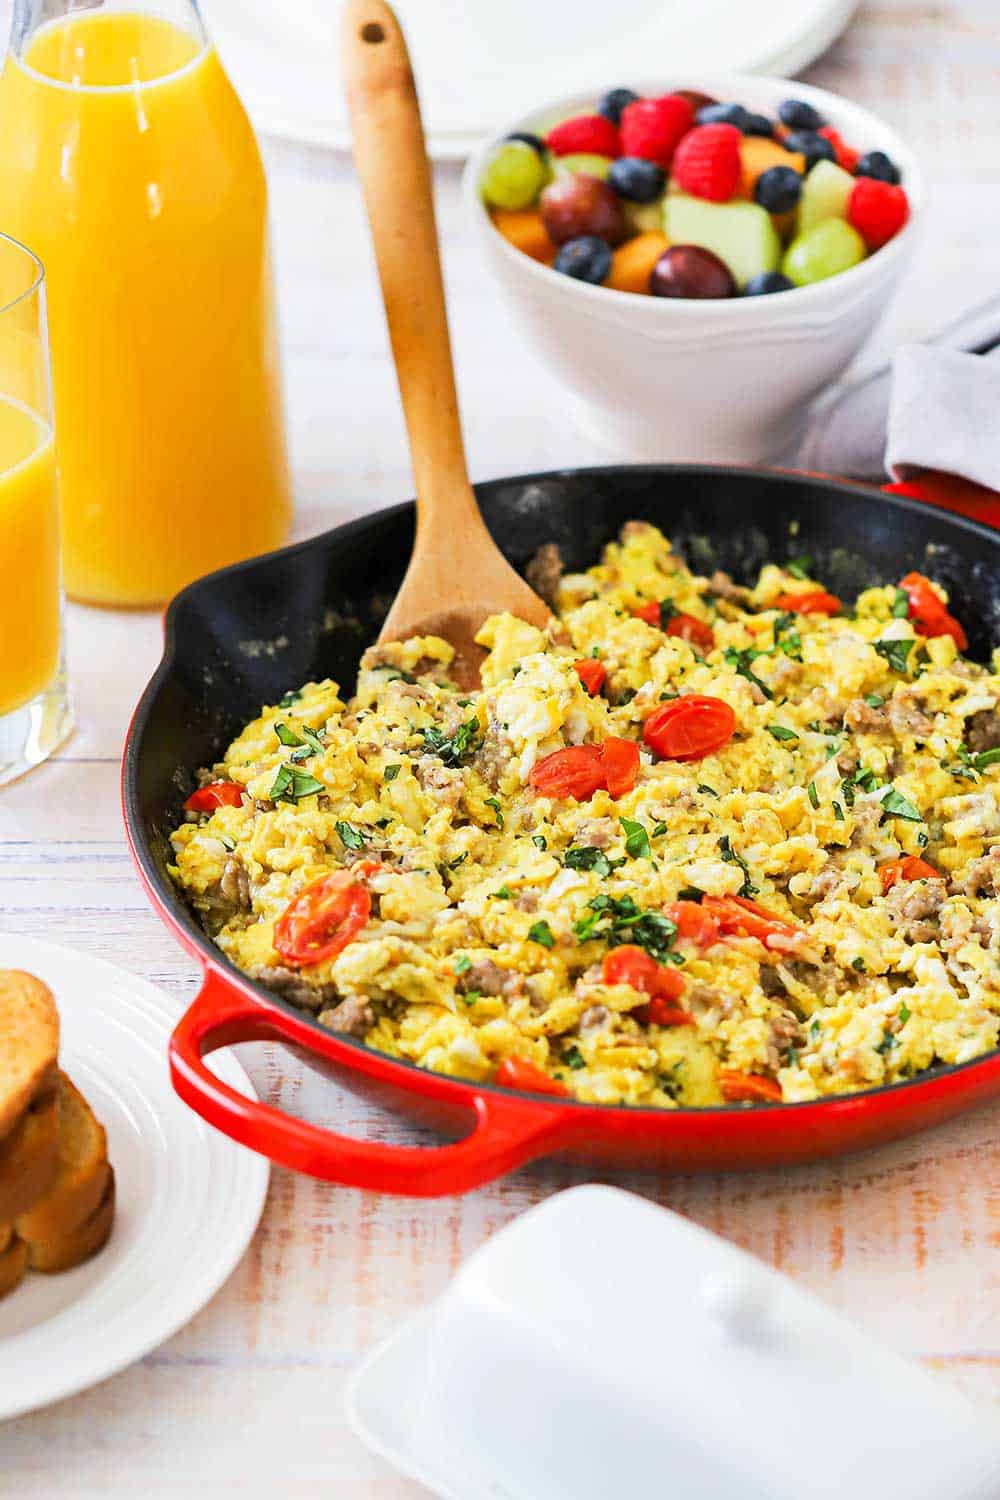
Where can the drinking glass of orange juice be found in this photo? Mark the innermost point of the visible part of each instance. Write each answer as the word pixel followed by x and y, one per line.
pixel 35 715
pixel 127 162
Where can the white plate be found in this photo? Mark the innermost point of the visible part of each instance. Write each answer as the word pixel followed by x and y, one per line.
pixel 479 63
pixel 188 1199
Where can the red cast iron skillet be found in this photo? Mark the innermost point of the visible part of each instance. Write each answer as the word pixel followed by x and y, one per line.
pixel 243 636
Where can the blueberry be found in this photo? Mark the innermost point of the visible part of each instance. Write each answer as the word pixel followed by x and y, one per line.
pixel 778 189
pixel 765 282
pixel 635 178
pixel 586 259
pixel 757 125
pixel 534 141
pixel 798 115
pixel 812 146
pixel 613 102
pixel 876 164
pixel 722 114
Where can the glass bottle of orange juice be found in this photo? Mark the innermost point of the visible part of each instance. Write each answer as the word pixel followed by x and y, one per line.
pixel 128 165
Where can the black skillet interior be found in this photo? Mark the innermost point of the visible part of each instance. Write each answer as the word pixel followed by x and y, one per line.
pixel 242 637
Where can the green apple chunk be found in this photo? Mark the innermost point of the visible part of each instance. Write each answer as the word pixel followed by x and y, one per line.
pixel 824 195
pixel 826 250
pixel 740 234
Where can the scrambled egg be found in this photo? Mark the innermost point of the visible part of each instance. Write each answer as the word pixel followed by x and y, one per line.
pixel 858 742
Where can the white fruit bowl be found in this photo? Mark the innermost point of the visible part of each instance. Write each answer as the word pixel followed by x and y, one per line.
pixel 718 381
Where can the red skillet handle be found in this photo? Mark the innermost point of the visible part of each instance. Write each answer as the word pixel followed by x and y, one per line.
pixel 507 1132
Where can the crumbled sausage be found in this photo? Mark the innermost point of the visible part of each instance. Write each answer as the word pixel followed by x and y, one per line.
pixel 982 878
pixel 915 906
pixel 290 985
pixel 906 718
pixel 491 759
pixel 722 587
pixel 489 978
pixel 595 832
pixel 234 884
pixel 861 717
pixel 352 1017
pixel 982 731
pixel 545 571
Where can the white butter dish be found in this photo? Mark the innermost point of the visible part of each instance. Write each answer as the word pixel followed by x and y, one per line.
pixel 603 1347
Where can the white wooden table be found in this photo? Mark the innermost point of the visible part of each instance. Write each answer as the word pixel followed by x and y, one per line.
pixel 905 1239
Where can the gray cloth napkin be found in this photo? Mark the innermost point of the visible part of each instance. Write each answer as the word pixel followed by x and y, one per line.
pixel 936 405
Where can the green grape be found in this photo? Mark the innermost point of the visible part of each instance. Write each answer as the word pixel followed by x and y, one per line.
pixel 825 250
pixel 513 177
pixel 583 161
pixel 643 217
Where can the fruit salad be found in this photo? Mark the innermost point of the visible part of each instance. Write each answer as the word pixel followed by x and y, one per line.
pixel 688 196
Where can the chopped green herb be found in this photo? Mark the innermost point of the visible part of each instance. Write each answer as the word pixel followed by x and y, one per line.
pixel 587 857
pixel 226 842
pixel 539 840
pixel 815 1029
pixel 462 963
pixel 624 922
pixel 658 828
pixel 923 839
pixel 495 804
pixel 541 932
pixel 573 1058
pixel 874 700
pixel 793 1057
pixel 799 566
pixel 503 894
pixel 787 636
pixel 813 794
pixel 708 790
pixel 730 855
pixel 667 611
pixel 859 964
pixel 287 699
pixel 904 1013
pixel 452 751
pixel 781 732
pixel 740 661
pixel 350 837
pixel 896 653
pixel 838 812
pixel 471 996
pixel 289 785
pixel 391 772
pixel 887 1043
pixel 690 893
pixel 595 652
pixel 459 859
pixel 636 840
pixel 901 605
pixel 625 696
pixel 670 1083
pixel 287 736
pixel 986 758
pixel 895 805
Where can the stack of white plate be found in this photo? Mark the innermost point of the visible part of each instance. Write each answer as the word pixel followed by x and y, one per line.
pixel 480 62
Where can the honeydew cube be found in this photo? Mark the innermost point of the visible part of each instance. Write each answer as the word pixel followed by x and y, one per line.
pixel 827 249
pixel 644 218
pixel 825 192
pixel 740 234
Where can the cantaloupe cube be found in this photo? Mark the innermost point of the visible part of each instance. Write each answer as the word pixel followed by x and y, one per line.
pixel 632 262
pixel 757 153
pixel 524 228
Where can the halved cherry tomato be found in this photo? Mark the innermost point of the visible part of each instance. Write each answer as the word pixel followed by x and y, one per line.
pixel 574 772
pixel 592 674
pixel 217 794
pixel 736 914
pixel 689 728
pixel 814 602
pixel 631 965
pixel 694 923
pixel 515 1073
pixel 907 868
pixel 696 632
pixel 692 630
pixel 620 764
pixel 322 919
pixel 927 610
pixel 739 1087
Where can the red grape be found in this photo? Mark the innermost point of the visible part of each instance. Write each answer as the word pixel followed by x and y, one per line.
pixel 690 271
pixel 578 205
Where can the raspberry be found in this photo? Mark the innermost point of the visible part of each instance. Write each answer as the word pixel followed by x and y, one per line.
pixel 878 210
pixel 846 155
pixel 652 128
pixel 707 163
pixel 584 134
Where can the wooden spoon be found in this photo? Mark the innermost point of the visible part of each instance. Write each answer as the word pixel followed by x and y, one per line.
pixel 457 576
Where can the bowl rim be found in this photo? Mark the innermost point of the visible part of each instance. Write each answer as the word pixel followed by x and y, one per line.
pixel 880 264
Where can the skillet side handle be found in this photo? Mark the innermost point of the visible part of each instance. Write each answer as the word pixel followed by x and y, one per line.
pixel 507 1132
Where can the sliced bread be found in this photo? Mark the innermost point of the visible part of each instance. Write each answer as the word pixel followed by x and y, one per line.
pixel 81 1175
pixel 13 1264
pixel 29 1043
pixel 64 1251
pixel 29 1158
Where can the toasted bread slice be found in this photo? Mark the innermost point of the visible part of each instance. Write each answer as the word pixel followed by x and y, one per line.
pixel 13 1264
pixel 64 1251
pixel 29 1158
pixel 81 1175
pixel 29 1043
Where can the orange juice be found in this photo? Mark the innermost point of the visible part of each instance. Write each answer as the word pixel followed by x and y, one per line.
pixel 29 556
pixel 128 164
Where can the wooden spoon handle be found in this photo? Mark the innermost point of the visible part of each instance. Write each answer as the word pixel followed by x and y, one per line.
pixel 391 159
